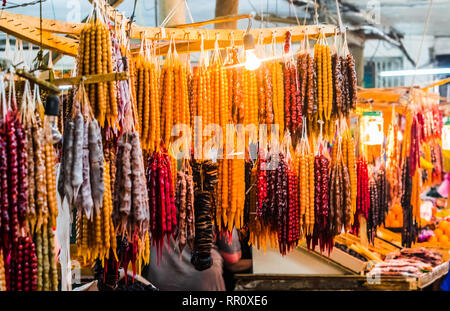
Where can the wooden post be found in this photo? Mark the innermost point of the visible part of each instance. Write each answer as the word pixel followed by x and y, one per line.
pixel 225 8
pixel 165 6
pixel 356 42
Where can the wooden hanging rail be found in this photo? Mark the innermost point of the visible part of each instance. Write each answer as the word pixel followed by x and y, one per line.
pixel 89 79
pixel 192 38
pixel 226 35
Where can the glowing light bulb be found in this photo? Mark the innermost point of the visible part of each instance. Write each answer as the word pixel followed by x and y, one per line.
pixel 400 135
pixel 252 62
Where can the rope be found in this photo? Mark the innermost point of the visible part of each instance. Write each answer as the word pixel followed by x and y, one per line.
pixel 291 3
pixel 23 5
pixel 134 11
pixel 189 11
pixel 306 13
pixel 421 41
pixel 173 11
pixel 316 15
pixel 40 29
pixel 262 13
pixel 170 15
pixel 338 11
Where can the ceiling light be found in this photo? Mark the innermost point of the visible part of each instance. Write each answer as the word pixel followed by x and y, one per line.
pixel 252 62
pixel 431 71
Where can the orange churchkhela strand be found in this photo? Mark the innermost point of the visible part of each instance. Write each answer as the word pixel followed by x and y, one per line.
pixel 95 57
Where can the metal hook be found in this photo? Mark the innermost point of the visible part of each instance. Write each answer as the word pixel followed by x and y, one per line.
pixel 249 25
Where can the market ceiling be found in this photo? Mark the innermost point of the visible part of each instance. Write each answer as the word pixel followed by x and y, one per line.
pixel 406 16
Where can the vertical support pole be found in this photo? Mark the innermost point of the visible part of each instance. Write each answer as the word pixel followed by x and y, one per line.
pixel 165 6
pixel 224 8
pixel 358 53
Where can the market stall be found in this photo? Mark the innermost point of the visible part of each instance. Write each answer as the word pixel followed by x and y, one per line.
pixel 267 133
pixel 368 253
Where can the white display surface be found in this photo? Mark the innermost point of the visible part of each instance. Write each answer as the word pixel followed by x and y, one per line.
pixel 298 261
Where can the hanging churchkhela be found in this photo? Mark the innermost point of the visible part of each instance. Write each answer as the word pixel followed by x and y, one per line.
pixel 81 180
pixel 322 58
pixel 292 92
pixel 306 69
pixel 349 80
pixel 205 189
pixel 409 230
pixel 131 202
pixel 184 201
pixel 276 71
pixel 348 150
pixel 363 195
pixel 43 195
pixel 19 272
pixel 2 273
pixel 174 104
pixel 277 200
pixel 340 202
pixel 261 234
pixel 290 225
pixel 321 236
pixel 95 57
pixel 306 184
pixel 393 158
pixel 125 89
pixel 235 157
pixel 162 208
pixel 148 107
pixel 378 201
pixel 344 80
pixel 21 220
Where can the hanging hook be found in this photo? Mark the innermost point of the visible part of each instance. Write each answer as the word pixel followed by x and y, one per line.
pixel 249 25
pixel 186 36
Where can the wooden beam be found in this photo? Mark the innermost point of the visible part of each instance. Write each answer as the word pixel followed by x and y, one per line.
pixel 42 83
pixel 438 83
pixel 48 25
pixel 226 8
pixel 272 18
pixel 92 79
pixel 217 20
pixel 23 28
